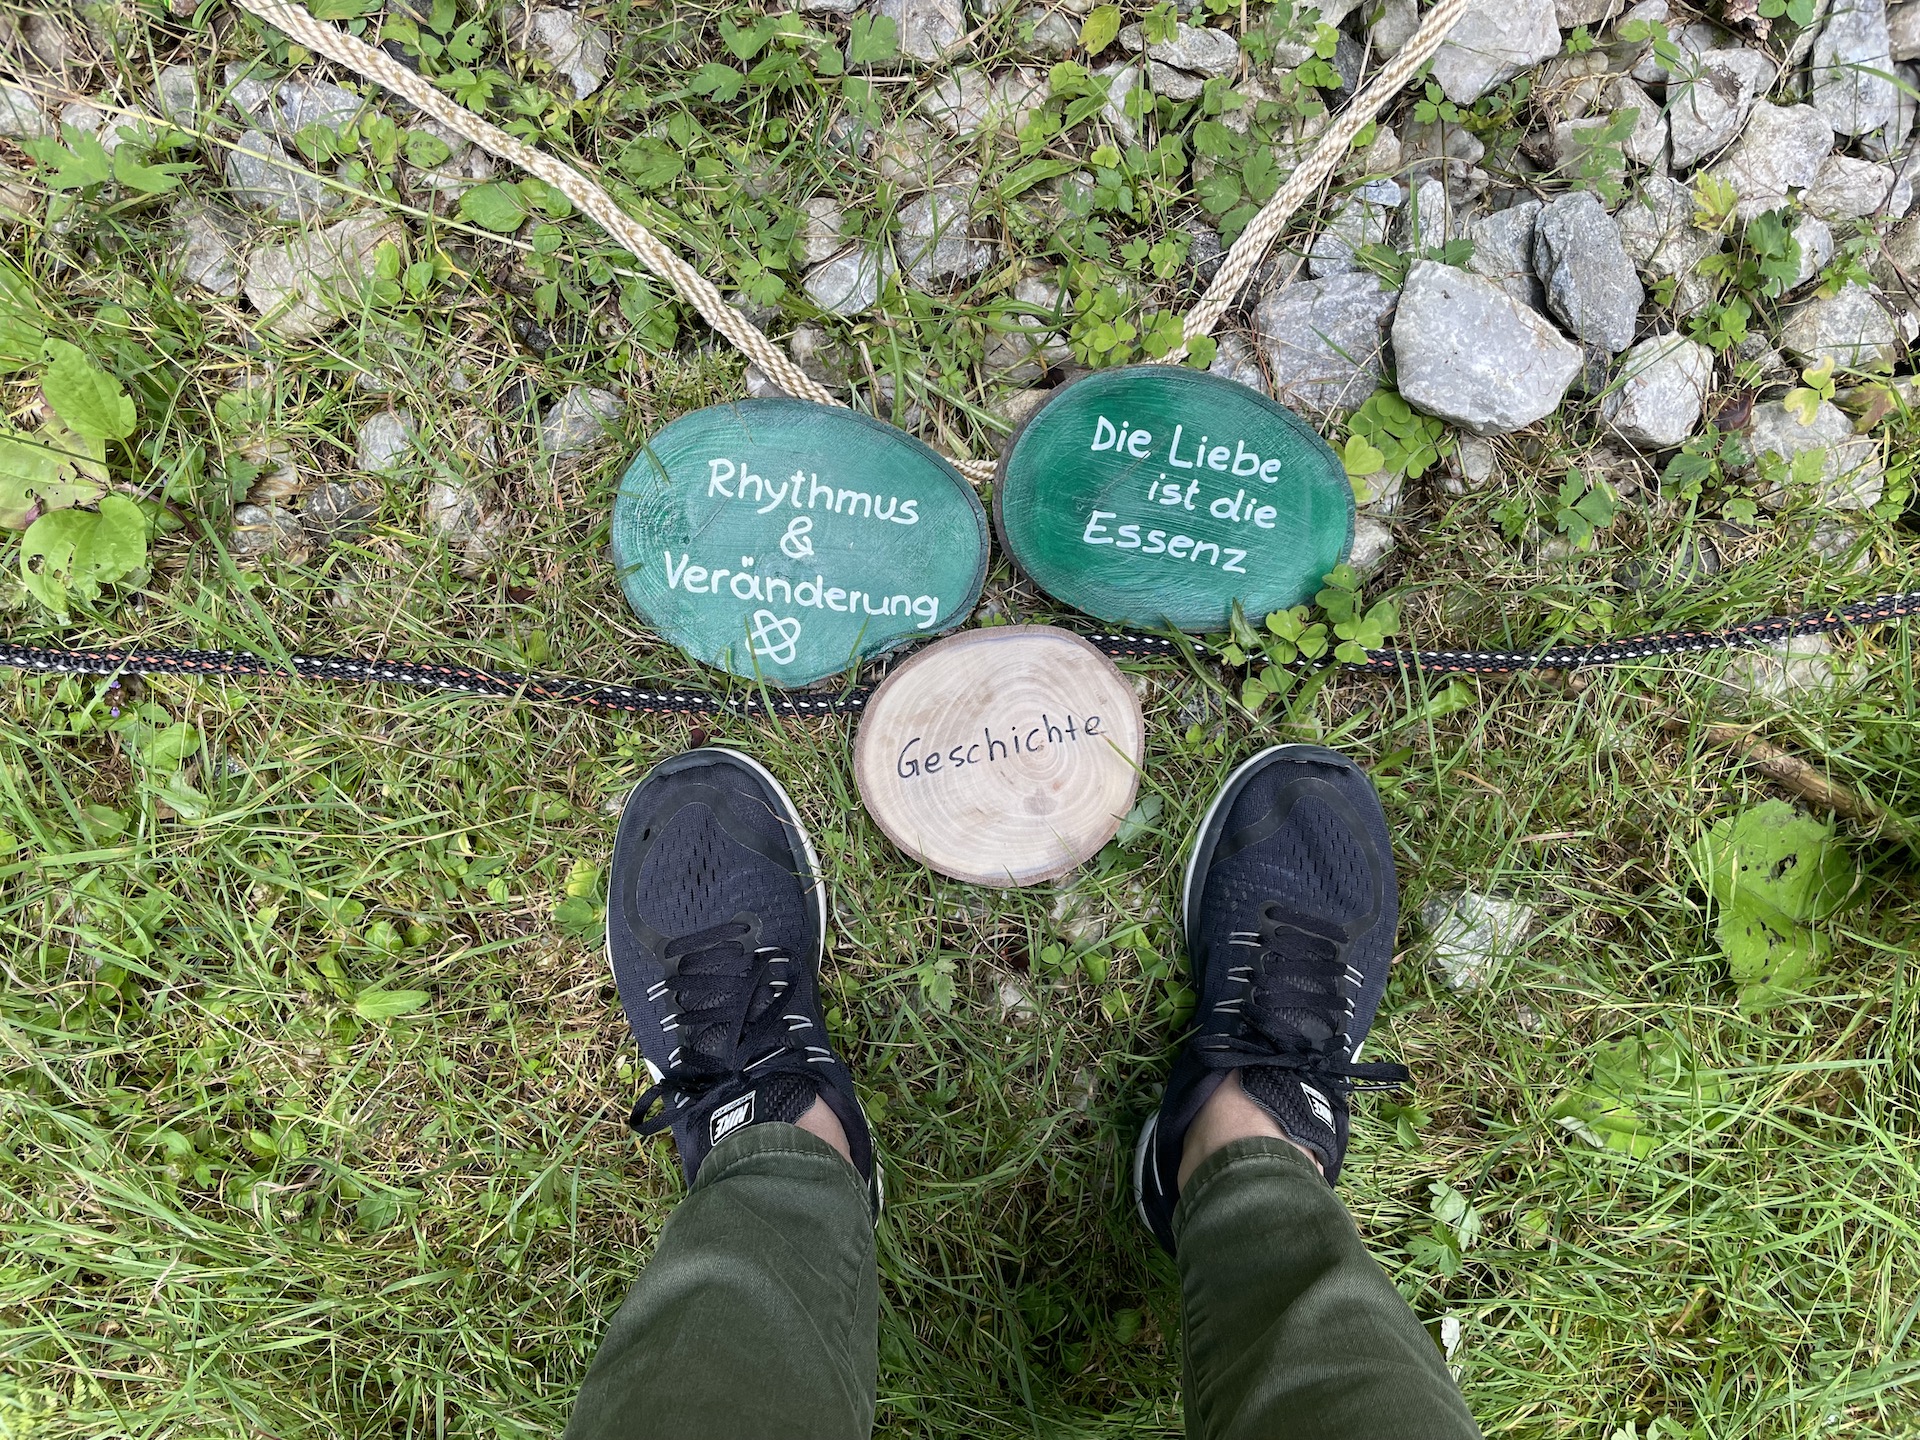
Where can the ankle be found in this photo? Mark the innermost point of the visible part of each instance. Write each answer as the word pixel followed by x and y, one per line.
pixel 820 1120
pixel 1230 1114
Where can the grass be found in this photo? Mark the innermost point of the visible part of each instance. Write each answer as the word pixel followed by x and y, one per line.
pixel 245 1191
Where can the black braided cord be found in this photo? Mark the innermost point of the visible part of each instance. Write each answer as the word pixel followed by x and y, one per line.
pixel 633 700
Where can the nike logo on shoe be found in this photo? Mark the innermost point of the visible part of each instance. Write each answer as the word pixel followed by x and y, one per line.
pixel 731 1116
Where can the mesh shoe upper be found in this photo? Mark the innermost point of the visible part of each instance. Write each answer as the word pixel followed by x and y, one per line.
pixel 1291 906
pixel 715 928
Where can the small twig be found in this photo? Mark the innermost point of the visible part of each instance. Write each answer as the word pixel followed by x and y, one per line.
pixel 1785 768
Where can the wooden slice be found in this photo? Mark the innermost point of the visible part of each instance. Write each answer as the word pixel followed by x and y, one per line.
pixel 788 540
pixel 1002 757
pixel 1156 495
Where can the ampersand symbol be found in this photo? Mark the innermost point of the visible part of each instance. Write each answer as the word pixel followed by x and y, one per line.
pixel 774 637
pixel 795 541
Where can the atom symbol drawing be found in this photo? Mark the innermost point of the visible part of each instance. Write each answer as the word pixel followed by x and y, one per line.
pixel 775 638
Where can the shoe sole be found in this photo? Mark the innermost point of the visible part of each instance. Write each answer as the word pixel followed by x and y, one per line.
pixel 790 817
pixel 1203 842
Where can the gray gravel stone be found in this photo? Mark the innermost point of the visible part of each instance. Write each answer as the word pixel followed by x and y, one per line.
pixel 935 240
pixel 19 201
pixel 1589 278
pixel 1846 188
pixel 1054 36
pixel 1238 361
pixel 849 283
pixel 577 49
pixel 385 445
pixel 1815 239
pixel 1122 80
pixel 1852 328
pixel 1325 340
pixel 1427 220
pixel 314 102
pixel 1362 218
pixel 1779 152
pixel 1194 49
pixel 1657 231
pixel 299 287
pixel 1473 934
pixel 1174 83
pixel 1662 389
pixel 1373 542
pixel 1591 13
pixel 263 530
pixel 1467 351
pixel 580 421
pixel 929 29
pixel 209 251
pixel 1852 60
pixel 1852 476
pixel 1903 29
pixel 21 116
pixel 1393 26
pixel 250 93
pixel 338 509
pixel 820 236
pixel 1503 251
pixel 1779 674
pixel 263 177
pixel 176 95
pixel 1706 109
pixel 1493 42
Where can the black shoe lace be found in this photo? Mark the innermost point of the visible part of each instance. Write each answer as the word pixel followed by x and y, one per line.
pixel 731 1022
pixel 1294 1003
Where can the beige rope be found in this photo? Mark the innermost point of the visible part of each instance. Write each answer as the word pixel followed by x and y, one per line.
pixel 375 65
pixel 1264 228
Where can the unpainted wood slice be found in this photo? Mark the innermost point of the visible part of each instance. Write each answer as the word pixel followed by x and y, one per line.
pixel 1002 757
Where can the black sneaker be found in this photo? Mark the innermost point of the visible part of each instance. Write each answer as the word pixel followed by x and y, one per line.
pixel 716 923
pixel 1289 910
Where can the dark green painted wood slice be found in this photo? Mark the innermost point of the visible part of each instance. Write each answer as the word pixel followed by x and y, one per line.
pixel 789 540
pixel 1152 495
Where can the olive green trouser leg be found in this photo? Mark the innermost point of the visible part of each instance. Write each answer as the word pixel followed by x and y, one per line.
pixel 759 1313
pixel 1293 1331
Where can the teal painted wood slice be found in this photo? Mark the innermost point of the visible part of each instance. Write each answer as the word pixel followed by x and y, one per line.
pixel 1154 495
pixel 789 540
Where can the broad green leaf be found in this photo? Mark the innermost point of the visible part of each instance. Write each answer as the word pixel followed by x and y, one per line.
pixel 72 162
pixel 1362 458
pixel 134 173
pixel 1777 859
pixel 1100 27
pixel 1803 404
pixel 54 548
pixel 342 9
pixel 495 206
pixel 872 38
pixel 87 398
pixel 49 469
pixel 1769 961
pixel 426 149
pixel 722 82
pixel 1641 1089
pixel 70 554
pixel 23 336
pixel 168 749
pixel 649 163
pixel 387 1004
